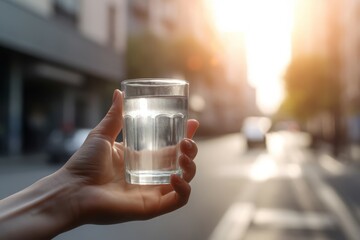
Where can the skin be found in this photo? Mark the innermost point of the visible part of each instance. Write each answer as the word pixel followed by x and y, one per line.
pixel 91 188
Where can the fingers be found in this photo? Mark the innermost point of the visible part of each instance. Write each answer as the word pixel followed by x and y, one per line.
pixel 188 166
pixel 177 198
pixel 189 151
pixel 189 147
pixel 177 194
pixel 110 126
pixel 192 126
pixel 182 189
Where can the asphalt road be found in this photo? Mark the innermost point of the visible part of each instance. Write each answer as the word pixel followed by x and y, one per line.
pixel 285 192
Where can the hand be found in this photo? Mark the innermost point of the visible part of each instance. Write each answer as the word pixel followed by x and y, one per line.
pixel 90 188
pixel 97 169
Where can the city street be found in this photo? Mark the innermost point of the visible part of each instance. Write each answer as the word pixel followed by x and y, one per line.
pixel 260 80
pixel 285 192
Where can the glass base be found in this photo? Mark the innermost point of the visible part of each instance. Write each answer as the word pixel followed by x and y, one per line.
pixel 150 177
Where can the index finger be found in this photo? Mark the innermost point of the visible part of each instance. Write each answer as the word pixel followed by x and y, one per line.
pixel 192 126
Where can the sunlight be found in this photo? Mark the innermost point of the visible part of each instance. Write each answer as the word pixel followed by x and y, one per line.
pixel 263 169
pixel 267 27
pixel 228 15
pixel 268 166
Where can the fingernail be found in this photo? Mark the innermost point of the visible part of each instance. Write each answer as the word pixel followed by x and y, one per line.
pixel 116 95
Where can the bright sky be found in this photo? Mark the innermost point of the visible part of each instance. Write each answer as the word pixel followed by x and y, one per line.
pixel 267 26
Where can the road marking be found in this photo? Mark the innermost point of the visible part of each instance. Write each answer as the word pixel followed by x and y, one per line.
pixel 331 165
pixel 236 220
pixel 265 167
pixel 234 223
pixel 290 219
pixel 335 204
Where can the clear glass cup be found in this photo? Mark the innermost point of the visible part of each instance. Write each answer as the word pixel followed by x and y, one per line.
pixel 155 113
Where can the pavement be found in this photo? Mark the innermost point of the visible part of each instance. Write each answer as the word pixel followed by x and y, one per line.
pixel 252 195
pixel 349 156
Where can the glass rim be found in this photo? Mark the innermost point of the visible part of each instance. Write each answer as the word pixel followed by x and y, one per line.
pixel 153 82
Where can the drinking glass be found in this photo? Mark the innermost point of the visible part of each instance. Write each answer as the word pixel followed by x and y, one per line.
pixel 155 113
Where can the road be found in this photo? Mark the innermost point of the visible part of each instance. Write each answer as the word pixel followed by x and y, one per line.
pixel 285 192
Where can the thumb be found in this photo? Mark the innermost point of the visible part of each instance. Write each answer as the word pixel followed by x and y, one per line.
pixel 111 125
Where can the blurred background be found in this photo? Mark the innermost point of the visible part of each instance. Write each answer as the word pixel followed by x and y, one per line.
pixel 275 85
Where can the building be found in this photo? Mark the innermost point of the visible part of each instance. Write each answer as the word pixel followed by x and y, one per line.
pixel 316 33
pixel 350 73
pixel 168 18
pixel 219 104
pixel 310 32
pixel 350 49
pixel 236 70
pixel 331 31
pixel 60 61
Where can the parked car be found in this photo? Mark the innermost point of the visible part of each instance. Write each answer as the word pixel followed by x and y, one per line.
pixel 62 145
pixel 254 130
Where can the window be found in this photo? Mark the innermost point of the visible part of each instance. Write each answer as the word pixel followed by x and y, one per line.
pixel 67 10
pixel 111 25
pixel 140 10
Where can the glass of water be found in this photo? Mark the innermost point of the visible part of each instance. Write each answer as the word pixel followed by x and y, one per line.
pixel 155 113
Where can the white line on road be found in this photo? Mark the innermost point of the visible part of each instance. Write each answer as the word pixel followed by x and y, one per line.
pixel 291 219
pixel 335 204
pixel 332 165
pixel 234 223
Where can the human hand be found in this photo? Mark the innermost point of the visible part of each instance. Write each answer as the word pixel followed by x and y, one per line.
pixel 97 171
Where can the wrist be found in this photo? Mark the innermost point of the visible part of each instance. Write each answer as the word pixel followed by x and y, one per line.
pixel 45 209
pixel 62 200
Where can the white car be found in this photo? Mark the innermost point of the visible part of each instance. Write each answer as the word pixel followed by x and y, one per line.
pixel 254 129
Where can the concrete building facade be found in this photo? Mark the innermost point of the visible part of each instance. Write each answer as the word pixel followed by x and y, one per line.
pixel 350 49
pixel 60 61
pixel 350 73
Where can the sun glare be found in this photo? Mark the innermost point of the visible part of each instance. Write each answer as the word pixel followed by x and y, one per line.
pixel 266 26
pixel 228 15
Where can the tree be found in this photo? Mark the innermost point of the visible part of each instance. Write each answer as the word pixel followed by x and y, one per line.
pixel 147 56
pixel 151 56
pixel 195 60
pixel 312 87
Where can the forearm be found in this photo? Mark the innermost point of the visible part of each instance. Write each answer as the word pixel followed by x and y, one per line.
pixel 40 211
